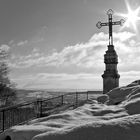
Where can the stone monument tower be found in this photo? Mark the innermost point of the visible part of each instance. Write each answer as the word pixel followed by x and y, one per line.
pixel 110 76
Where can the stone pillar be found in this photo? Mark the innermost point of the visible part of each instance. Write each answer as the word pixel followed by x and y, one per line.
pixel 110 76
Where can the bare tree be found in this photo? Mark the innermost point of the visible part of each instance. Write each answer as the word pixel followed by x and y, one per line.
pixel 7 92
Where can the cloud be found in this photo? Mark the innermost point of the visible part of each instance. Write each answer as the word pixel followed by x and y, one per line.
pixel 22 43
pixel 129 76
pixel 4 47
pixel 11 42
pixel 123 36
pixel 83 55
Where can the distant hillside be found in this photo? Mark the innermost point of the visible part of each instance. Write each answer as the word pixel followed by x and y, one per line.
pixel 30 94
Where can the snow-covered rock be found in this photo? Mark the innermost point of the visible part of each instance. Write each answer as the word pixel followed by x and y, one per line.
pixel 133 106
pixel 118 95
pixel 102 99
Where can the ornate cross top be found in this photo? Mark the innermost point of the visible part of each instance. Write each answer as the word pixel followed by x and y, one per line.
pixel 110 24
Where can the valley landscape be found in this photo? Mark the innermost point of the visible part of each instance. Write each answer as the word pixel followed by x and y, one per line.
pixel 93 120
pixel 24 95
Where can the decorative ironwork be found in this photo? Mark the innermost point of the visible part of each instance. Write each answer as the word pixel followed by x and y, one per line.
pixel 110 23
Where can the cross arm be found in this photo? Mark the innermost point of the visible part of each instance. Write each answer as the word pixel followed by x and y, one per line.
pixel 116 23
pixel 121 22
pixel 104 24
pixel 100 24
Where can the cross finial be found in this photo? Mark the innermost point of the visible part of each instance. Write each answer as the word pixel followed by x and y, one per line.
pixel 110 24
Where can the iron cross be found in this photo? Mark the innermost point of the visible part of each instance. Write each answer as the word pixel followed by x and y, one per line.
pixel 110 24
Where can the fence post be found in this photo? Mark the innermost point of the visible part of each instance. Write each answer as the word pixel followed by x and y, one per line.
pixel 76 103
pixel 87 95
pixel 3 121
pixel 39 108
pixel 62 99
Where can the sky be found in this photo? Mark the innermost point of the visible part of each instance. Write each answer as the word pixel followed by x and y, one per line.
pixel 55 44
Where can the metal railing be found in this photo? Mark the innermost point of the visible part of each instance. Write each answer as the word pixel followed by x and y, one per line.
pixel 21 113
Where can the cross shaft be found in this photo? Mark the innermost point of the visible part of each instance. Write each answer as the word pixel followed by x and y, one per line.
pixel 110 24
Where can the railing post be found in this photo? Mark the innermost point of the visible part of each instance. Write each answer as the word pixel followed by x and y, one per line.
pixel 62 99
pixel 39 108
pixel 87 95
pixel 76 102
pixel 3 121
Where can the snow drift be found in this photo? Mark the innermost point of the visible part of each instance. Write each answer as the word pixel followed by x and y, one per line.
pixel 115 117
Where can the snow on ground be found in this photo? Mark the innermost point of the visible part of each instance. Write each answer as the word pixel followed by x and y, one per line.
pixel 92 121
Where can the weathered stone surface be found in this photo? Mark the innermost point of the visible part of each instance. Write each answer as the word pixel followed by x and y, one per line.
pixel 110 76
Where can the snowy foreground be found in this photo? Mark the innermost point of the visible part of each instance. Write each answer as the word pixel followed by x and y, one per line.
pixel 96 120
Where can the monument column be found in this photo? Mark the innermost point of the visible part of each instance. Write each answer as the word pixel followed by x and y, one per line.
pixel 110 76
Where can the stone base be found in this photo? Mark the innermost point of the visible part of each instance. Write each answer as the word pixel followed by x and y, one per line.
pixel 109 83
